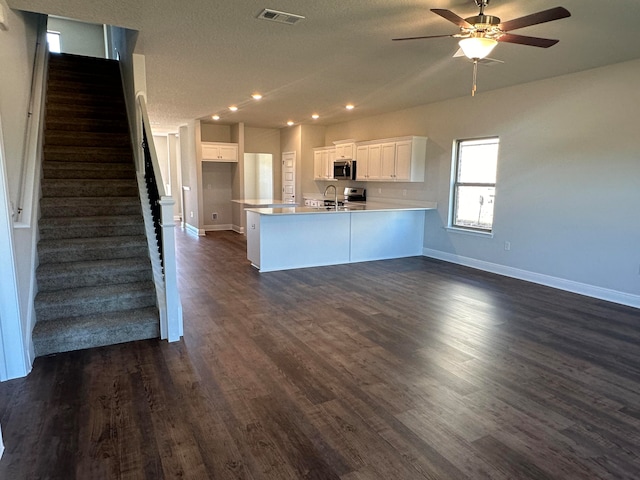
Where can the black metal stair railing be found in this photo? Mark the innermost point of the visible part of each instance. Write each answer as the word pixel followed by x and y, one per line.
pixel 152 192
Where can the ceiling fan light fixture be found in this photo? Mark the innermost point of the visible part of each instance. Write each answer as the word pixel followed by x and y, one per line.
pixel 477 48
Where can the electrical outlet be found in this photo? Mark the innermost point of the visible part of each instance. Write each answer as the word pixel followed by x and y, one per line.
pixel 404 193
pixel 191 214
pixel 379 190
pixel 507 245
pixel 214 216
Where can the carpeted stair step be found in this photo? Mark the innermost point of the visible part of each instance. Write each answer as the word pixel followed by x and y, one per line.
pixel 111 154
pixel 59 110
pixel 87 227
pixel 85 139
pixel 52 187
pixel 67 334
pixel 60 276
pixel 88 206
pixel 84 82
pixel 88 249
pixel 105 72
pixel 98 124
pixel 88 170
pixel 90 300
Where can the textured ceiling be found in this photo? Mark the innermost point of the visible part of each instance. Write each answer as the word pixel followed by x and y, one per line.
pixel 202 56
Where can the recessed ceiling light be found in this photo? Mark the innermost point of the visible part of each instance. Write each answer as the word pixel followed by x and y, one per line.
pixel 315 116
pixel 290 123
pixel 233 108
pixel 349 106
pixel 256 96
pixel 216 117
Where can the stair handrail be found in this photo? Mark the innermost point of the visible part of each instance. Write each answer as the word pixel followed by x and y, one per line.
pixel 28 182
pixel 171 327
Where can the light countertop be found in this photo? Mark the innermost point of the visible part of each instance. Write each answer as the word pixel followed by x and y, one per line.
pixel 352 207
pixel 262 202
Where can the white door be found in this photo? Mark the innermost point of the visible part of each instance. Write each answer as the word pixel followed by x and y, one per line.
pixel 289 177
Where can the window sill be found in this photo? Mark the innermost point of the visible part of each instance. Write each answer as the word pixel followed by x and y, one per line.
pixel 473 233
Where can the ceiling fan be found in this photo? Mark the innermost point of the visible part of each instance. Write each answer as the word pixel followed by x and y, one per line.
pixel 480 34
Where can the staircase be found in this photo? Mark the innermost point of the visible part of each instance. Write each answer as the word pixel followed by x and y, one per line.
pixel 94 277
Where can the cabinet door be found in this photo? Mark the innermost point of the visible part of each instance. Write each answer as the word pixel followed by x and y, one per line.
pixel 388 161
pixel 344 151
pixel 318 165
pixel 210 152
pixel 375 159
pixel 403 161
pixel 362 162
pixel 228 153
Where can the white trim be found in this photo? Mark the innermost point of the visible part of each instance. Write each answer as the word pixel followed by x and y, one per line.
pixel 193 230
pixel 215 228
pixel 539 278
pixel 469 231
pixel 238 229
pixel 13 355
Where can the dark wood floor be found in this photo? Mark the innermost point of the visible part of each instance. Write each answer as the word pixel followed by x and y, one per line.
pixel 402 369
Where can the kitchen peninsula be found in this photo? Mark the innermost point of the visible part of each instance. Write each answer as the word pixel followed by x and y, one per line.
pixel 299 237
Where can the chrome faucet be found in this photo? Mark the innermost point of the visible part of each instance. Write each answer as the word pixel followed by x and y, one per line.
pixel 335 191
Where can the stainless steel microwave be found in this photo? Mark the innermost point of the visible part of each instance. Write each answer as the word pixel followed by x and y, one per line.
pixel 344 170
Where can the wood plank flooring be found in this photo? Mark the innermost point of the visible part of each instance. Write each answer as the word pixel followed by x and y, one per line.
pixel 401 369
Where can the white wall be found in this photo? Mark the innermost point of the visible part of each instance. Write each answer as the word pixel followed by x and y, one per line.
pixel 79 38
pixel 17 49
pixel 266 140
pixel 162 152
pixel 568 175
pixel 216 194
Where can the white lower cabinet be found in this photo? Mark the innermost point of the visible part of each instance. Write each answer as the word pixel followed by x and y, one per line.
pixel 392 160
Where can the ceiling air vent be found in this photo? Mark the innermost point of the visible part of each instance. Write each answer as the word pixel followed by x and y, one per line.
pixel 280 17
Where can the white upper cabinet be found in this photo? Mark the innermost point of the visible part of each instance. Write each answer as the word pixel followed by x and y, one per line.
pixel 362 162
pixel 323 158
pixel 392 160
pixel 219 152
pixel 368 162
pixel 345 150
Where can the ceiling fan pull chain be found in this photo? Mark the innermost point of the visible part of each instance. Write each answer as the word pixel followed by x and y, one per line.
pixel 475 77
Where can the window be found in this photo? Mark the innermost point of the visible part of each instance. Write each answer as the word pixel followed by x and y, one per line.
pixel 474 184
pixel 53 40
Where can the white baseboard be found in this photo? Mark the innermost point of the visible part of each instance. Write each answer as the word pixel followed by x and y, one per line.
pixel 539 278
pixel 193 230
pixel 238 229
pixel 217 228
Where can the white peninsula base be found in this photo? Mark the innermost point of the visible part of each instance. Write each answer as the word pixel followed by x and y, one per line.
pixel 281 239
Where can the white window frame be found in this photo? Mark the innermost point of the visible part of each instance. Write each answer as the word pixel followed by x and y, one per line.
pixel 457 144
pixel 50 34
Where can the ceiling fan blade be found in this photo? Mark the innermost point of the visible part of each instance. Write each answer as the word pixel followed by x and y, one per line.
pixel 524 40
pixel 535 18
pixel 452 17
pixel 420 38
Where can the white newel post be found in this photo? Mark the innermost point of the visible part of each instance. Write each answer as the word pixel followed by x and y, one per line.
pixel 173 327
